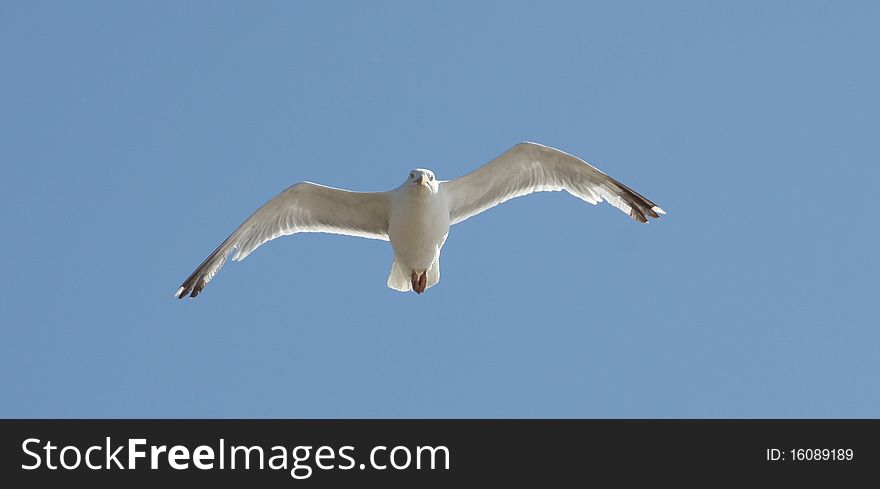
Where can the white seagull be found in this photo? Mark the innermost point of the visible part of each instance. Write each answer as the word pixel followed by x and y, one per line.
pixel 416 216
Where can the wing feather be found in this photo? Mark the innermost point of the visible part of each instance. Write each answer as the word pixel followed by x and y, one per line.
pixel 304 207
pixel 531 167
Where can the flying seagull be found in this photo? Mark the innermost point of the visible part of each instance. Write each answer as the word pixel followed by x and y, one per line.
pixel 416 216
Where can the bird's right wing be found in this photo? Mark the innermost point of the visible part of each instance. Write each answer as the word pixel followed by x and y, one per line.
pixel 304 207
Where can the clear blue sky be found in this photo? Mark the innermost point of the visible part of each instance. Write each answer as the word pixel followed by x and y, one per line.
pixel 136 136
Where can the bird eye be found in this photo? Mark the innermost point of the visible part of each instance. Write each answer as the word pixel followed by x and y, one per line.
pixel 412 175
pixel 431 177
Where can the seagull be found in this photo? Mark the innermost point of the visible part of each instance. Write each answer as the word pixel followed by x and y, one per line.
pixel 416 216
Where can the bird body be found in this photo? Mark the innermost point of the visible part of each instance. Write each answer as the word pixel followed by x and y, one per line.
pixel 417 228
pixel 416 216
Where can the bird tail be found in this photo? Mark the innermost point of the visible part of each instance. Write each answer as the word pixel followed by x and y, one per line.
pixel 400 277
pixel 433 274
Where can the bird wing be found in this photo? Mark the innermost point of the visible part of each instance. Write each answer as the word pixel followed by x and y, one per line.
pixel 304 207
pixel 531 167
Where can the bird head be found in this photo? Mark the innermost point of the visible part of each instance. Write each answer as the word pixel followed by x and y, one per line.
pixel 423 180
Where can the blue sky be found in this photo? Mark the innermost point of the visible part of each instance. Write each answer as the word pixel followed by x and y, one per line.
pixel 135 136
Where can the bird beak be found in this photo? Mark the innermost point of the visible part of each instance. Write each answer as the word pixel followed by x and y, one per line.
pixel 422 179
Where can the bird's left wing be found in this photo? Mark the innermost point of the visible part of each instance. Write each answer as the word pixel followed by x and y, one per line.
pixel 304 207
pixel 530 167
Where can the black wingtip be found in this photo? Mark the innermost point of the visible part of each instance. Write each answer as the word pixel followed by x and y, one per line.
pixel 637 214
pixel 200 284
pixel 192 287
pixel 640 207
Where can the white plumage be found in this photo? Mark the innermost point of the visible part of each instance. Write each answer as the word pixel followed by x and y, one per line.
pixel 416 216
